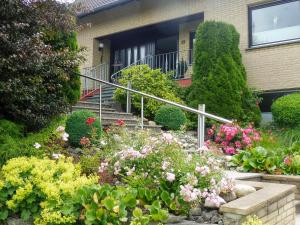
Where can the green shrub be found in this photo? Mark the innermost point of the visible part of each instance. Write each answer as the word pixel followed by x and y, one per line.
pixel 219 77
pixel 40 188
pixel 286 110
pixel 39 84
pixel 14 143
pixel 154 82
pixel 77 126
pixel 170 117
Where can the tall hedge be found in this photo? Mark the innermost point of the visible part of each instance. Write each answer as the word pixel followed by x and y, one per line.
pixel 219 77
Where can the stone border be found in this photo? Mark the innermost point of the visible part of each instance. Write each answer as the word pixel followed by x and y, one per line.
pixel 278 179
pixel 272 203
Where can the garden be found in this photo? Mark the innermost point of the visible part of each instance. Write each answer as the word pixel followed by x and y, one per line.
pixel 58 167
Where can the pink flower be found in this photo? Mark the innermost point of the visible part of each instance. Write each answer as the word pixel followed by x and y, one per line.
pixel 130 171
pixel 168 137
pixel 210 132
pixel 230 150
pixel 238 144
pixel 189 194
pixel 204 170
pixel 103 167
pixel 224 143
pixel 288 160
pixel 207 143
pixel 170 177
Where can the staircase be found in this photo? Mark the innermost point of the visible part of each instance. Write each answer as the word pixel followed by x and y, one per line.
pixel 110 115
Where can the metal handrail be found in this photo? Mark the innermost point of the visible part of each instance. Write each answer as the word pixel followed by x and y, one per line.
pixel 200 112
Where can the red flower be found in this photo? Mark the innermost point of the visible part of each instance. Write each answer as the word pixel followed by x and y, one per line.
pixel 120 123
pixel 106 129
pixel 90 120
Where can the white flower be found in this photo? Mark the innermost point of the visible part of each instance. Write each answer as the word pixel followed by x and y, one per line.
pixel 37 145
pixel 168 137
pixel 56 156
pixel 103 142
pixel 165 165
pixel 65 136
pixel 170 177
pixel 60 129
pixel 130 171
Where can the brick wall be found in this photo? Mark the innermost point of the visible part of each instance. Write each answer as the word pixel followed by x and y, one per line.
pixel 271 68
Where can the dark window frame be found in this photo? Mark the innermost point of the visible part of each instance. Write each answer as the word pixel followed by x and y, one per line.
pixel 251 8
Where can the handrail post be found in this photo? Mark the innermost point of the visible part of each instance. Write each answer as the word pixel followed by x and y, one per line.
pixel 142 112
pixel 128 100
pixel 201 127
pixel 100 102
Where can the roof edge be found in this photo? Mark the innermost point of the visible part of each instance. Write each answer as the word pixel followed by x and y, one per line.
pixel 103 8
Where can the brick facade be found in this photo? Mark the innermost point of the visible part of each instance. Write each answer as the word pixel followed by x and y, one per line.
pixel 269 68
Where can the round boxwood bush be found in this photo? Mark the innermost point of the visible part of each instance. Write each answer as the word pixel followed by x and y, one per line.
pixel 286 110
pixel 170 117
pixel 80 124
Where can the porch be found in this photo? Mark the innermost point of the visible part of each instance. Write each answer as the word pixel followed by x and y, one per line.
pixel 167 46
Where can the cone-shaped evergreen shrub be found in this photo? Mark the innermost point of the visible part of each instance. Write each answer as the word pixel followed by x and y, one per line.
pixel 219 77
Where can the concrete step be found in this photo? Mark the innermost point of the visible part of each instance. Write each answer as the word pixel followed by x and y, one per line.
pixel 106 121
pixel 93 109
pixel 115 115
pixel 94 105
pixel 146 127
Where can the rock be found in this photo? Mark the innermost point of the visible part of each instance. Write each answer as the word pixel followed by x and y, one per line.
pixel 212 205
pixel 243 190
pixel 228 197
pixel 175 219
pixel 196 211
pixel 152 123
pixel 215 219
pixel 15 221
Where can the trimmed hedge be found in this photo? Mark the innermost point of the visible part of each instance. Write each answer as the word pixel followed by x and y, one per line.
pixel 77 126
pixel 286 110
pixel 170 117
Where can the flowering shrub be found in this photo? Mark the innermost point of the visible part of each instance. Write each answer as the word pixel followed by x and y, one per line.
pixel 82 124
pixel 40 188
pixel 159 169
pixel 231 137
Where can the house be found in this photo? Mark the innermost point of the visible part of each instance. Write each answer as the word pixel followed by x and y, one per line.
pixel 161 34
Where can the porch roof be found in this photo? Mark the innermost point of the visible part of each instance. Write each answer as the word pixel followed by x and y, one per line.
pixel 94 6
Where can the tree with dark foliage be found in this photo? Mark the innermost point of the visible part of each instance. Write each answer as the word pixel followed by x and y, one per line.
pixel 38 60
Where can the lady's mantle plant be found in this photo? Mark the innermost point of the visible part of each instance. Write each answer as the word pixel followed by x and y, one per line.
pixel 41 188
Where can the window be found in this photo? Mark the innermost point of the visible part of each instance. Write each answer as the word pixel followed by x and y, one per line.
pixel 275 22
pixel 192 43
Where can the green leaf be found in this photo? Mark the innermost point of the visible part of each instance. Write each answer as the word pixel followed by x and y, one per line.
pixel 25 214
pixel 165 196
pixel 137 212
pixel 3 214
pixel 109 203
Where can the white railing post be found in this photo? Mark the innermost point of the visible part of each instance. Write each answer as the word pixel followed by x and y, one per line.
pixel 201 127
pixel 100 102
pixel 142 112
pixel 128 100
